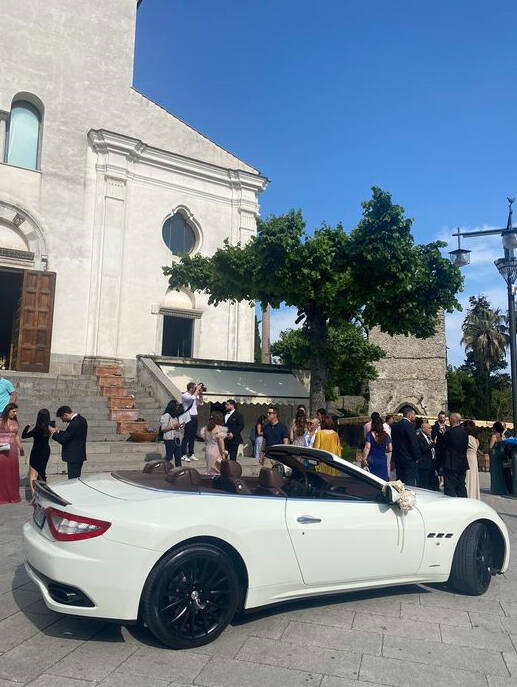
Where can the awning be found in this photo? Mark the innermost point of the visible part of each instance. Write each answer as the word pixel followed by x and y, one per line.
pixel 242 384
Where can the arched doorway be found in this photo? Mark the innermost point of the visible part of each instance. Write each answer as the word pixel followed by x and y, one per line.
pixel 26 292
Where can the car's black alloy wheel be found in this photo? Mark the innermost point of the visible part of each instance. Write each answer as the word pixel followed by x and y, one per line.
pixel 472 564
pixel 190 596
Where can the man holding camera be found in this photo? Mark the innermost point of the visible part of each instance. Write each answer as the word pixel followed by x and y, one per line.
pixel 191 399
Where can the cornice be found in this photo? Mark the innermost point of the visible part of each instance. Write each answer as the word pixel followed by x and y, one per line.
pixel 136 151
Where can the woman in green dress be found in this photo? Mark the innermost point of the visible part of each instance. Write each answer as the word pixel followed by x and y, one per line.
pixel 497 480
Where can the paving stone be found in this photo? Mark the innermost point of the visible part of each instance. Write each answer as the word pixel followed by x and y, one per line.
pixel 164 664
pixel 21 626
pixel 510 658
pixel 227 644
pixel 510 625
pixel 333 637
pixel 272 626
pixel 499 681
pixel 389 671
pixel 406 628
pixel 121 680
pixel 34 656
pixel 488 621
pixel 337 615
pixel 333 681
pixel 8 683
pixel 436 653
pixel 13 601
pixel 222 673
pixel 462 603
pixel 93 660
pixel 47 680
pixel 308 658
pixel 430 614
pixel 476 637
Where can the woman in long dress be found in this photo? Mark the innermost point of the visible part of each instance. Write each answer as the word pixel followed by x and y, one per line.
pixel 377 450
pixel 9 463
pixel 40 451
pixel 472 479
pixel 327 439
pixel 497 480
pixel 214 434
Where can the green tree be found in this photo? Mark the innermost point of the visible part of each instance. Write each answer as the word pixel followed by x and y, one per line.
pixel 349 354
pixel 485 337
pixel 375 275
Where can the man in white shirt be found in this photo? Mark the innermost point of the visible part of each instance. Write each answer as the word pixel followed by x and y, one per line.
pixel 191 399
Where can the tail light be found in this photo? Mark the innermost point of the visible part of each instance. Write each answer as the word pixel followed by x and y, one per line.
pixel 70 527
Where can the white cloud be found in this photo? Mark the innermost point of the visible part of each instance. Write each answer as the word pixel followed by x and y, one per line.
pixel 282 319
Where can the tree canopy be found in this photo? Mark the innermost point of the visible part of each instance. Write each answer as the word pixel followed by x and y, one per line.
pixel 375 276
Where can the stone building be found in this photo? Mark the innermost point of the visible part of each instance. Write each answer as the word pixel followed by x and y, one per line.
pixel 99 188
pixel 413 373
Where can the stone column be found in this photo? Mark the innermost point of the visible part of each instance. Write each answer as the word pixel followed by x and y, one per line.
pixel 266 335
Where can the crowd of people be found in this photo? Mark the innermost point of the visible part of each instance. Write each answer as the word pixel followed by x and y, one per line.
pixel 439 456
pixel 72 440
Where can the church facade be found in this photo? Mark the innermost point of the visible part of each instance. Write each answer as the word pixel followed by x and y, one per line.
pixel 99 188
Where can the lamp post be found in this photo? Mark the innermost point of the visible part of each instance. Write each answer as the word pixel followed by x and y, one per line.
pixel 507 267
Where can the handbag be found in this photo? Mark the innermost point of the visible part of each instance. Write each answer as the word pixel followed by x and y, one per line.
pixel 5 446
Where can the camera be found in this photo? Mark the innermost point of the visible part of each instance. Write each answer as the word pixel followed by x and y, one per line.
pixel 202 387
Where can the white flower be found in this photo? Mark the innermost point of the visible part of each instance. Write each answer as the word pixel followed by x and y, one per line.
pixel 407 500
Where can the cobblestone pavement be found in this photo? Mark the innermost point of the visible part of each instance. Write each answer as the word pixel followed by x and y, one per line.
pixel 414 635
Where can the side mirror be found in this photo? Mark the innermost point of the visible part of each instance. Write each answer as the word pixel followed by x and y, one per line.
pixel 391 495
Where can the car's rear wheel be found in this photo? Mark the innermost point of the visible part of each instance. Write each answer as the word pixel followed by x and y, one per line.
pixel 472 564
pixel 190 596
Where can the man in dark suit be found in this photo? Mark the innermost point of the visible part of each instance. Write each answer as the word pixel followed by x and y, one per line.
pixel 427 478
pixel 234 421
pixel 72 440
pixel 455 463
pixel 405 447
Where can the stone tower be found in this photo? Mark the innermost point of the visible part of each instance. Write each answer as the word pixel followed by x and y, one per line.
pixel 412 373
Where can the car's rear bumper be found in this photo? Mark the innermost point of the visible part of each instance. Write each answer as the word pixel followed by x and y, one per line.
pixel 110 575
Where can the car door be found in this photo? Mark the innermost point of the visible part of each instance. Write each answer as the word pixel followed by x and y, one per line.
pixel 354 537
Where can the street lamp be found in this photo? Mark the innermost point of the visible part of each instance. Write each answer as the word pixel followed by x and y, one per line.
pixel 507 267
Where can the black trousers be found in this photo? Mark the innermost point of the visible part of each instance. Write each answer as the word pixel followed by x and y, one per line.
pixel 187 445
pixel 407 472
pixel 232 447
pixel 454 483
pixel 173 451
pixel 427 479
pixel 74 470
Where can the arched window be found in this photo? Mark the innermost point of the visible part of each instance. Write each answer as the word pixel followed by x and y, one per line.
pixel 178 235
pixel 23 133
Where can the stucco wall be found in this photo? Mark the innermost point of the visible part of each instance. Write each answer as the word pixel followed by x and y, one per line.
pixel 102 217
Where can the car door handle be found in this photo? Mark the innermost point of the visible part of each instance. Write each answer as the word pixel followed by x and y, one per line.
pixel 307 519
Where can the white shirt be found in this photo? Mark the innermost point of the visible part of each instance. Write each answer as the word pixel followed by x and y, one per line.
pixel 190 403
pixel 228 415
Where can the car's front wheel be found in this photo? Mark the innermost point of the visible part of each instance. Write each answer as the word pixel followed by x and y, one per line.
pixel 190 596
pixel 473 561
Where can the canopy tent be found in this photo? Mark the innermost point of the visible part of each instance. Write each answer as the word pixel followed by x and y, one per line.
pixel 245 385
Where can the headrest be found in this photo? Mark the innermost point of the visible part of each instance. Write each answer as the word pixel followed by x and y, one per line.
pixel 230 468
pixel 271 479
pixel 184 477
pixel 157 466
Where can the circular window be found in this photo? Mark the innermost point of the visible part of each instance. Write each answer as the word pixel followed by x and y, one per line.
pixel 179 237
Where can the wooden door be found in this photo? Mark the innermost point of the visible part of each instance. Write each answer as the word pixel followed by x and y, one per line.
pixel 34 322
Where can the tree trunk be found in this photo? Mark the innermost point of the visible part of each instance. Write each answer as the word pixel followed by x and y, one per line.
pixel 318 339
pixel 266 334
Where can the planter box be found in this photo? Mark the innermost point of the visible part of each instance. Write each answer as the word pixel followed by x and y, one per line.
pixel 129 426
pixel 121 402
pixel 120 415
pixel 108 371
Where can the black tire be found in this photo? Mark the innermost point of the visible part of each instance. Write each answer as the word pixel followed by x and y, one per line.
pixel 190 596
pixel 471 569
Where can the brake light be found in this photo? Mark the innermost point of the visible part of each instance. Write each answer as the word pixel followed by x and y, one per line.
pixel 70 527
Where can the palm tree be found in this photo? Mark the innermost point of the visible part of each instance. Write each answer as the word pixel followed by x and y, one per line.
pixel 485 335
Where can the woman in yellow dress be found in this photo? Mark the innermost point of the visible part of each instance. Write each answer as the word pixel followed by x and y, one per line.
pixel 328 440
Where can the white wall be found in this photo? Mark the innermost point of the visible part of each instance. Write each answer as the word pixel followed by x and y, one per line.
pixel 101 210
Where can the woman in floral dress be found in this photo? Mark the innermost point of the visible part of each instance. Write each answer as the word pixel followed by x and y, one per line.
pixel 214 434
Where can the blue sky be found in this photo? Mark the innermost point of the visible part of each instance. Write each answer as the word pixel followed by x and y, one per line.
pixel 330 98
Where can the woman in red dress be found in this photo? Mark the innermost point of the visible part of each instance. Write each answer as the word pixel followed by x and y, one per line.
pixel 9 465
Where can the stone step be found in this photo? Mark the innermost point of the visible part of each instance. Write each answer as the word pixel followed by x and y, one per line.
pixel 108 371
pixel 121 402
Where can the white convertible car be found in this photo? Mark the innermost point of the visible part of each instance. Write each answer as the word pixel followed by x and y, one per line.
pixel 183 552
